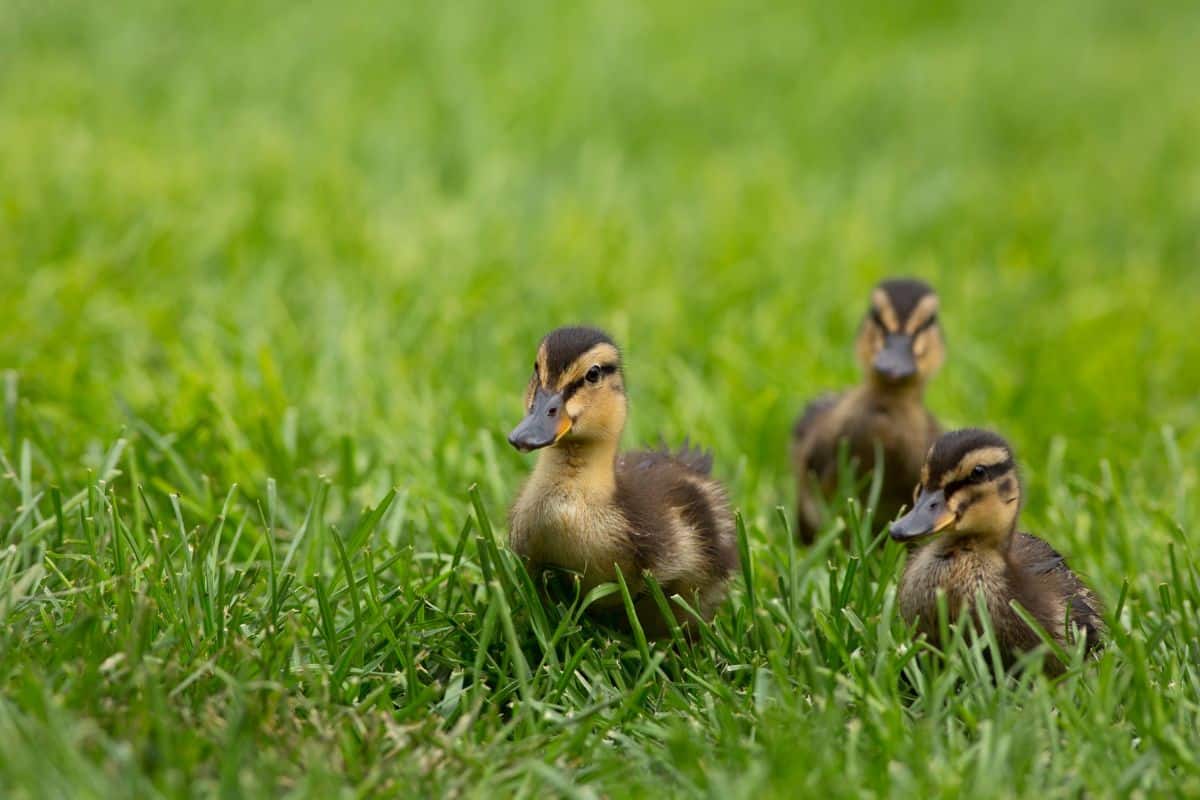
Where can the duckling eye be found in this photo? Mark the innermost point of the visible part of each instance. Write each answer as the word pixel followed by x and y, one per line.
pixel 978 473
pixel 929 322
pixel 593 375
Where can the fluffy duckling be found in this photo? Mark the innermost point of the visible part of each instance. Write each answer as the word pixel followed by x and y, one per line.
pixel 588 510
pixel 899 348
pixel 970 496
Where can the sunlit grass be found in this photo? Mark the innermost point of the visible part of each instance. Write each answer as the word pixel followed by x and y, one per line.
pixel 273 277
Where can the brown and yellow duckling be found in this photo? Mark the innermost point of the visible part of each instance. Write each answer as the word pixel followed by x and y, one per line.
pixel 588 510
pixel 963 538
pixel 899 348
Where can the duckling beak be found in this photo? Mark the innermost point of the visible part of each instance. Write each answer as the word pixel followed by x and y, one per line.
pixel 929 515
pixel 895 361
pixel 544 425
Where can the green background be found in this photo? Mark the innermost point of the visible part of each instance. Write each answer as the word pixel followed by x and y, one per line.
pixel 309 249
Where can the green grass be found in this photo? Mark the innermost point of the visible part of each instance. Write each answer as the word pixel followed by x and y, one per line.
pixel 273 275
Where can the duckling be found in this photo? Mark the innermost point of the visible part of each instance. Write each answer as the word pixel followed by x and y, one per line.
pixel 899 348
pixel 588 510
pixel 970 496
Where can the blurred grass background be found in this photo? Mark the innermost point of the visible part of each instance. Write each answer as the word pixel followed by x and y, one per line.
pixel 295 240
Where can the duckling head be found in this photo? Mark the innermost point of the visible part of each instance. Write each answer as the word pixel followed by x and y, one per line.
pixel 969 487
pixel 900 341
pixel 576 394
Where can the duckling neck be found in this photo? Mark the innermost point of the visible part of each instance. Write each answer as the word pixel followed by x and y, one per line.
pixel 977 544
pixel 884 393
pixel 588 465
pixel 1004 545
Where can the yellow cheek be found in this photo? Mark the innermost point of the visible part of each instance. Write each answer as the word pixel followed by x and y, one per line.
pixel 931 352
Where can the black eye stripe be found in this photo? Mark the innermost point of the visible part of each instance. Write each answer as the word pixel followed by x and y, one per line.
pixel 926 325
pixel 575 385
pixel 878 320
pixel 953 486
pixel 989 473
pixel 572 387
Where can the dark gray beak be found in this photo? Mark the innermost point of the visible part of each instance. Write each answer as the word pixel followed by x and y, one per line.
pixel 545 424
pixel 929 515
pixel 895 361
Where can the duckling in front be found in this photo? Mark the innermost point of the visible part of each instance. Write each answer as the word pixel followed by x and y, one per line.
pixel 588 510
pixel 899 348
pixel 963 538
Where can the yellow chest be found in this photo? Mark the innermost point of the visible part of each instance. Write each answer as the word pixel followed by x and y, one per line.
pixel 960 577
pixel 573 529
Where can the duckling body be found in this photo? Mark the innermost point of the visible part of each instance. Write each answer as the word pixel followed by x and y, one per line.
pixel 864 418
pixel 963 541
pixel 899 348
pixel 588 510
pixel 1032 573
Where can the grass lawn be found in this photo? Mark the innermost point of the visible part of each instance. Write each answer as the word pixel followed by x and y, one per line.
pixel 272 279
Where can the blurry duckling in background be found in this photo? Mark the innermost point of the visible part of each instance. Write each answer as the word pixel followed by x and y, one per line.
pixel 962 537
pixel 899 348
pixel 587 510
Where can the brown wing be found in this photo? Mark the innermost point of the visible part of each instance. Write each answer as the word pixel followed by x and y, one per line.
pixel 813 412
pixel 813 455
pixel 934 427
pixel 1045 574
pixel 651 484
pixel 689 456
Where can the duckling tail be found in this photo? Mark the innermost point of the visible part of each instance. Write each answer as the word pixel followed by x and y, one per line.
pixel 695 457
